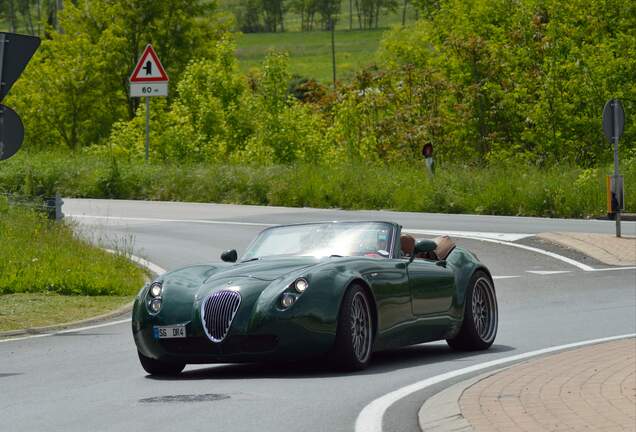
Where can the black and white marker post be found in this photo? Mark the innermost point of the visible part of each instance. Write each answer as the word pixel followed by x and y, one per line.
pixel 148 79
pixel 613 126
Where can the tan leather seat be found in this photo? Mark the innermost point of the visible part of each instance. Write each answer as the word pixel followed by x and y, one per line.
pixel 407 245
pixel 444 247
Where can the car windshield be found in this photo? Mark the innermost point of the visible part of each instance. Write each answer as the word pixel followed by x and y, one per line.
pixel 323 239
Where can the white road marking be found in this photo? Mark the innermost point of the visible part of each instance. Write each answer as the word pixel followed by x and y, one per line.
pixel 370 418
pixel 547 272
pixel 72 330
pixel 144 219
pixel 505 277
pixel 509 237
pixel 497 238
pixel 154 268
pixel 614 268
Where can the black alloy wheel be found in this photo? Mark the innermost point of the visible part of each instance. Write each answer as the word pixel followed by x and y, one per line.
pixel 354 337
pixel 481 317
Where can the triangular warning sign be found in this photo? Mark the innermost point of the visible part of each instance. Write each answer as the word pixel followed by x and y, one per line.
pixel 149 68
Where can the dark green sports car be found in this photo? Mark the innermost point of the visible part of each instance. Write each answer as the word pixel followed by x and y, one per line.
pixel 341 289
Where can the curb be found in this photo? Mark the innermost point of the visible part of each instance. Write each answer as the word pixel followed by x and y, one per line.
pixel 442 413
pixel 45 329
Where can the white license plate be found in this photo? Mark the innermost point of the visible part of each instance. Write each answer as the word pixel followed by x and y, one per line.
pixel 166 332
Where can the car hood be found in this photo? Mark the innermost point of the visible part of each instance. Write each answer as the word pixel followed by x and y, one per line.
pixel 265 269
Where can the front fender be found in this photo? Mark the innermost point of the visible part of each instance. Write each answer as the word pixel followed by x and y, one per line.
pixel 315 312
pixel 179 289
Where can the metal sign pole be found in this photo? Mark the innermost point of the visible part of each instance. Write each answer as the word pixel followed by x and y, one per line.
pixel 333 51
pixel 616 179
pixel 147 126
pixel 2 42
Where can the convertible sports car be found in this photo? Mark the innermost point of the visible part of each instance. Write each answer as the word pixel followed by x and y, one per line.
pixel 344 289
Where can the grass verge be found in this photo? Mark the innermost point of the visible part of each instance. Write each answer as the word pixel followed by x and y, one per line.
pixel 504 189
pixel 28 310
pixel 38 255
pixel 50 276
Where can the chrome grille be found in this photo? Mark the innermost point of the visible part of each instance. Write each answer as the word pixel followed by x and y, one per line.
pixel 217 313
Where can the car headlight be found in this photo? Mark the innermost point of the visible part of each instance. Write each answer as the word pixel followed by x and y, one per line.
pixel 301 285
pixel 155 289
pixel 287 300
pixel 155 305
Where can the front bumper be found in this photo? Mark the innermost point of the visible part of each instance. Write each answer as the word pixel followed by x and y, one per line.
pixel 295 341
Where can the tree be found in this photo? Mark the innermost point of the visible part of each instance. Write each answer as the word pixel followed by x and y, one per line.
pixel 179 30
pixel 76 86
pixel 274 14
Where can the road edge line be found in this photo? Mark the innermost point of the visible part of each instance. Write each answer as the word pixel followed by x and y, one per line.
pixel 370 417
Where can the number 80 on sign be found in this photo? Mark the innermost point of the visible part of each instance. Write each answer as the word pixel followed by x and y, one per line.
pixel 148 89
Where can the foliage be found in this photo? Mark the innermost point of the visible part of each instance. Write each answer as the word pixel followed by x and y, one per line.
pixel 308 15
pixel 77 83
pixel 525 81
pixel 486 82
pixel 509 188
pixel 38 255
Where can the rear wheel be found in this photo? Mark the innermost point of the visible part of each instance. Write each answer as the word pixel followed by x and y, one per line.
pixel 158 367
pixel 354 337
pixel 481 317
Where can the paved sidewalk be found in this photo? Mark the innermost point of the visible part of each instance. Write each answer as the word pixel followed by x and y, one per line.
pixel 606 248
pixel 586 389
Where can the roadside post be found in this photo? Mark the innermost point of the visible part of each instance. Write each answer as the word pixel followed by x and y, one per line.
pixel 427 152
pixel 15 52
pixel 613 126
pixel 148 79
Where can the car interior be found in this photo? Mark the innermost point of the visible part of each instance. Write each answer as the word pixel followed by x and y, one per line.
pixel 444 247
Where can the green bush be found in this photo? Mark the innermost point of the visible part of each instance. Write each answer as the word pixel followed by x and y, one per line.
pixel 505 188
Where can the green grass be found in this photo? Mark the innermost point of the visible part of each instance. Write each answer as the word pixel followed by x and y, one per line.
pixel 40 256
pixel 310 52
pixel 28 310
pixel 513 189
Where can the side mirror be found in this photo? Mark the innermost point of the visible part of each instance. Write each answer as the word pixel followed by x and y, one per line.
pixel 229 256
pixel 423 246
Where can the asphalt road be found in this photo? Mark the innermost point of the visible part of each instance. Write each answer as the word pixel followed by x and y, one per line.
pixel 91 380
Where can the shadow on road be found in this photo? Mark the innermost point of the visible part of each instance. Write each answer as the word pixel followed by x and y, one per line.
pixel 385 361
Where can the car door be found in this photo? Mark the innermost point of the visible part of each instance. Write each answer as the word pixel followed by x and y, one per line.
pixel 432 287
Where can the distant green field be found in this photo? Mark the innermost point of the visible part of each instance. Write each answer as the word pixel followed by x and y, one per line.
pixel 310 52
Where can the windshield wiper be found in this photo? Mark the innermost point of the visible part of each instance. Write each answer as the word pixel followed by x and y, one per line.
pixel 335 256
pixel 251 259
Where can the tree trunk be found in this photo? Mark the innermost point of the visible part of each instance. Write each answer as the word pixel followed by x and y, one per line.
pixel 404 13
pixel 12 18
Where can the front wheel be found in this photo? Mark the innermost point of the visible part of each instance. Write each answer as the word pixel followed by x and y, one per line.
pixel 481 317
pixel 354 337
pixel 158 367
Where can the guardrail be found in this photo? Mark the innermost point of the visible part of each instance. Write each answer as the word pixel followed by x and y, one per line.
pixel 51 206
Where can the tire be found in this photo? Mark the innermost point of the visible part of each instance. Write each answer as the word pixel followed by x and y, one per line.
pixel 354 336
pixel 158 367
pixel 481 317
